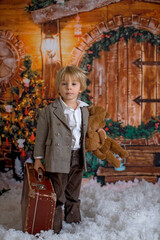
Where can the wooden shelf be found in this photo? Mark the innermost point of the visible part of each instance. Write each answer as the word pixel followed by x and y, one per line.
pixel 150 174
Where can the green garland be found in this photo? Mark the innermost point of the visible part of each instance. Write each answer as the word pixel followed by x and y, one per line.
pixel 112 37
pixel 115 129
pixel 38 4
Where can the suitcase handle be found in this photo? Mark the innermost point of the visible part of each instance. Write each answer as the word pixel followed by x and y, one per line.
pixel 40 174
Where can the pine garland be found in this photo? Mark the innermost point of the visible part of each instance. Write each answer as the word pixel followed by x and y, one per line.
pixel 115 129
pixel 112 37
pixel 38 4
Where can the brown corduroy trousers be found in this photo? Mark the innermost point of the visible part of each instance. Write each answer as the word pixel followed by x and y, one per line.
pixel 67 189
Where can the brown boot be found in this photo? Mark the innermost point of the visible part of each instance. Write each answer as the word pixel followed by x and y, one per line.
pixel 72 212
pixel 57 223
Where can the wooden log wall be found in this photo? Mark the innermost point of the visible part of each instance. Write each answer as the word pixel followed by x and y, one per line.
pixel 14 18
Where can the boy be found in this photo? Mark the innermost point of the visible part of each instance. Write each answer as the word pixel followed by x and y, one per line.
pixel 60 140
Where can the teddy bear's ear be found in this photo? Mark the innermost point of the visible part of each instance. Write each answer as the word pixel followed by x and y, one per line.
pixel 91 110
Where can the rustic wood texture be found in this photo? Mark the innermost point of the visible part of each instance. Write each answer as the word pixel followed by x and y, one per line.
pixel 126 80
pixel 134 83
pixel 139 164
pixel 114 179
pixel 51 61
pixel 122 85
pixel 150 174
pixel 71 7
pixel 130 171
pixel 149 87
pixel 158 84
pixel 14 18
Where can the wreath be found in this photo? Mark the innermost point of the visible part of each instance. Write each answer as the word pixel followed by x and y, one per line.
pixel 112 37
pixel 115 129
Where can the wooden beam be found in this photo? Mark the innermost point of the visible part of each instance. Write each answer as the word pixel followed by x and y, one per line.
pixel 71 7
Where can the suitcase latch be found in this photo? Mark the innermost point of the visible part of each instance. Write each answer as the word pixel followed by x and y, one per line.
pixel 39 186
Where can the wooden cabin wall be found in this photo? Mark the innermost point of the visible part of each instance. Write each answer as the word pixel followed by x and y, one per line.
pixel 14 18
pixel 89 20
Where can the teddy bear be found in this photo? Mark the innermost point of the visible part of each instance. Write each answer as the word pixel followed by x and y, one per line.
pixel 101 147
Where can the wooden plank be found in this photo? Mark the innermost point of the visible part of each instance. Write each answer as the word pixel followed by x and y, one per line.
pixel 130 171
pixel 136 7
pixel 148 82
pixel 122 84
pixel 134 83
pixel 100 80
pixel 149 149
pixel 137 161
pixel 57 11
pixel 114 179
pixel 112 82
pixel 158 83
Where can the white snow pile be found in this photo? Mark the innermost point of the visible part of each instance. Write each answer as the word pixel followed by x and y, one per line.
pixel 121 211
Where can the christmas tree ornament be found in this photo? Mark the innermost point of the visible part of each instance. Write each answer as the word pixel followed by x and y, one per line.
pixel 78 28
pixel 8 108
pixel 7 142
pixel 26 111
pixel 20 143
pixel 23 154
pixel 32 137
pixel 18 168
pixel 26 82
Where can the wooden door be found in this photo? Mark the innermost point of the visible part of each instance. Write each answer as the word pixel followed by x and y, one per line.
pixel 126 81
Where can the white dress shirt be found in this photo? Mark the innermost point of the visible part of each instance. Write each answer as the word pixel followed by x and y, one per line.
pixel 74 120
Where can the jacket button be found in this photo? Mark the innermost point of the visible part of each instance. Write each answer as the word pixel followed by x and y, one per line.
pixel 56 144
pixel 57 134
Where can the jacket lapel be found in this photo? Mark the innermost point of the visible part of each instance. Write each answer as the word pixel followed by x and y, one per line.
pixel 84 119
pixel 58 111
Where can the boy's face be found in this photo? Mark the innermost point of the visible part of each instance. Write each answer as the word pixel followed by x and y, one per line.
pixel 69 89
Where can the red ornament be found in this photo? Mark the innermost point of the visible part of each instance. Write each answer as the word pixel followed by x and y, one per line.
pixel 122 39
pixel 77 28
pixel 26 111
pixel 157 125
pixel 16 97
pixel 23 153
pixel 89 67
pixel 90 52
pixel 32 136
pixel 107 35
pixel 106 128
pixel 7 143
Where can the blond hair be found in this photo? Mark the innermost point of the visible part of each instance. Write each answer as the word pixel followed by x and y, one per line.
pixel 76 73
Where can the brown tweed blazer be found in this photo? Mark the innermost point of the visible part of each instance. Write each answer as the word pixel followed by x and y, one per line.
pixel 54 137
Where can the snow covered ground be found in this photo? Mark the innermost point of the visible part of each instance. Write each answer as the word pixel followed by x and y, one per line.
pixel 121 211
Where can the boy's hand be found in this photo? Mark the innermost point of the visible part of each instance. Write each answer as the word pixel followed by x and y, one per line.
pixel 38 165
pixel 101 129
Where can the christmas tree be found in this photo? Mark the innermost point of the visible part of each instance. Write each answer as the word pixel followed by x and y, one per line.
pixel 18 117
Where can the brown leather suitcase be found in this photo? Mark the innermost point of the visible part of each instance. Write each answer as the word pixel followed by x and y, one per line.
pixel 38 201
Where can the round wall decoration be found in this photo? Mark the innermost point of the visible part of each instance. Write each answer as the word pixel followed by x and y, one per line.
pixel 11 61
